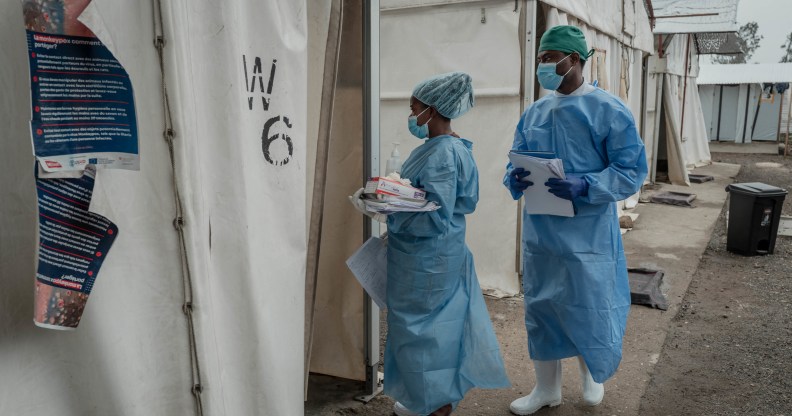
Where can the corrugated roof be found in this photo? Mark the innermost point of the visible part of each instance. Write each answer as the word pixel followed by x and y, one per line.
pixel 744 73
pixel 695 16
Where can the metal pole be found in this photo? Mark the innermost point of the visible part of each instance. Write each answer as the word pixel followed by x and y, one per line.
pixel 684 90
pixel 371 147
pixel 780 113
pixel 686 15
pixel 720 109
pixel 745 117
pixel 527 96
pixel 789 118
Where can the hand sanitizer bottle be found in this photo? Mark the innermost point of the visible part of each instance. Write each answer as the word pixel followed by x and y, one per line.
pixel 394 163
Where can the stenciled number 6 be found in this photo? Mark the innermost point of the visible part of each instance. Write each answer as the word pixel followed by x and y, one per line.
pixel 266 141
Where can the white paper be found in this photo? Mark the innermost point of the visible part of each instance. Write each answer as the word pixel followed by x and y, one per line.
pixel 369 264
pixel 398 205
pixel 537 198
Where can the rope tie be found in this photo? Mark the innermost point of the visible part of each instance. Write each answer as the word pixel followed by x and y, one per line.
pixel 178 223
pixel 169 134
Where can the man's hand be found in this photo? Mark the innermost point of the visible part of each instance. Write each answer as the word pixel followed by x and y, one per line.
pixel 569 188
pixel 518 180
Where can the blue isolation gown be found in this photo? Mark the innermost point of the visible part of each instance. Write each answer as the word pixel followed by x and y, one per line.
pixel 440 338
pixel 577 295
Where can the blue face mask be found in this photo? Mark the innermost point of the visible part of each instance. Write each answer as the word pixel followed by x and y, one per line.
pixel 547 76
pixel 418 131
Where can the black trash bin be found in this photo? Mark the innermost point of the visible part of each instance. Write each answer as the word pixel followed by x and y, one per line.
pixel 754 214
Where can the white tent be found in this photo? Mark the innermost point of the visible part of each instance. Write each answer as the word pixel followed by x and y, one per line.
pixel 245 230
pixel 674 128
pixel 244 225
pixel 741 102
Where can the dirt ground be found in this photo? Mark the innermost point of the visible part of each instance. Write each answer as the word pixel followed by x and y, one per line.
pixel 728 351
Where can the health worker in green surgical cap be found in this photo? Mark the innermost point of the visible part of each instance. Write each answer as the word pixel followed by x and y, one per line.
pixel 574 271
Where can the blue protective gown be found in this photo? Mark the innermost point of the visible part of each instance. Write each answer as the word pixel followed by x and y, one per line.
pixel 577 295
pixel 440 338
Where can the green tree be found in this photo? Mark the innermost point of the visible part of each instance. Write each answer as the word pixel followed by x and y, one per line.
pixel 787 47
pixel 749 41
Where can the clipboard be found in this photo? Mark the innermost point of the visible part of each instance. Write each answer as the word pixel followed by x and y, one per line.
pixel 538 199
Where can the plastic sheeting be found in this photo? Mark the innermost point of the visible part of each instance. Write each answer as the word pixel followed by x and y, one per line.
pixel 624 20
pixel 695 16
pixel 245 222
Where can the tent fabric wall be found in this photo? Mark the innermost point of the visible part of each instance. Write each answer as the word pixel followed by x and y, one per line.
pixel 708 94
pixel 625 21
pixel 338 336
pixel 432 40
pixel 339 299
pixel 688 148
pixel 694 134
pixel 675 149
pixel 650 132
pixel 245 226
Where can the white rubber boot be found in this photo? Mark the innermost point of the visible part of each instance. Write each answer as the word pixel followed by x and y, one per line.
pixel 547 391
pixel 593 392
pixel 400 410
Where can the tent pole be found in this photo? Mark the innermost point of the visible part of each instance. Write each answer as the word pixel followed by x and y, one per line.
pixel 756 116
pixel 780 112
pixel 684 90
pixel 371 150
pixel 720 109
pixel 789 118
pixel 527 96
pixel 745 117
pixel 332 51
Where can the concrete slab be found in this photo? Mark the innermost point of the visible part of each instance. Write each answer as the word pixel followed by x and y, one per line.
pixel 770 148
pixel 785 226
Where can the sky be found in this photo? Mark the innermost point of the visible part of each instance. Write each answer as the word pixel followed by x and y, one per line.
pixel 775 22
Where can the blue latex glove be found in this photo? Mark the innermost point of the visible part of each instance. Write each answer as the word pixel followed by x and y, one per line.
pixel 569 188
pixel 518 180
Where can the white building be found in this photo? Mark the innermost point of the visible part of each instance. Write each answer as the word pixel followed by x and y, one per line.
pixel 742 102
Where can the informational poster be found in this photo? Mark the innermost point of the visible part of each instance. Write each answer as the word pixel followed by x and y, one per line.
pixel 83 110
pixel 73 243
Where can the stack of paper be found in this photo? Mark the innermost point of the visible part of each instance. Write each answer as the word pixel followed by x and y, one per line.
pixel 543 166
pixel 396 204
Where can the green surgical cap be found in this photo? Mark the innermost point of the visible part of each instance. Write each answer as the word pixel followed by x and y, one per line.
pixel 567 39
pixel 450 94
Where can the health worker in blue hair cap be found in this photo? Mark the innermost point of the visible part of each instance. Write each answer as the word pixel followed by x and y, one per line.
pixel 440 340
pixel 574 271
